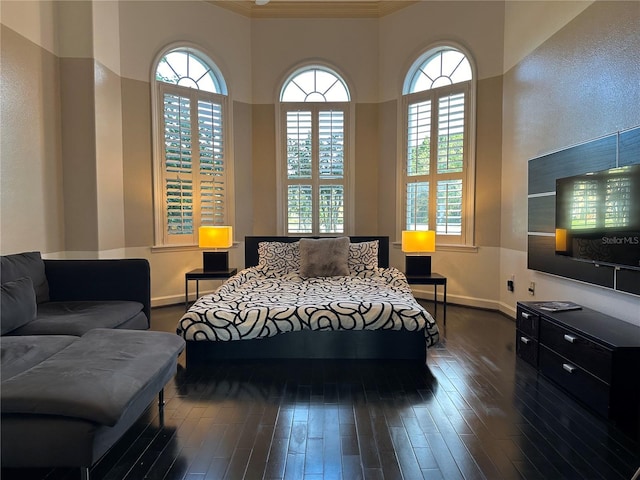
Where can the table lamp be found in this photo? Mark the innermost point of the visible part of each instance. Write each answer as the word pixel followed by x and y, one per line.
pixel 215 237
pixel 418 242
pixel 562 242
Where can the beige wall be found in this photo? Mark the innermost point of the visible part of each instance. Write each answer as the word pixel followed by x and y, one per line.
pixel 109 127
pixel 478 27
pixel 242 170
pixel 108 159
pixel 148 27
pixel 255 56
pixel 388 118
pixel 488 162
pixel 85 169
pixel 348 45
pixel 137 164
pixel 264 170
pixel 580 84
pixel 79 154
pixel 366 170
pixel 528 24
pixel 31 190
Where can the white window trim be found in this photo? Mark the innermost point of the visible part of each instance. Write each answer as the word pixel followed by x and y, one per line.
pixel 281 157
pixel 157 150
pixel 469 194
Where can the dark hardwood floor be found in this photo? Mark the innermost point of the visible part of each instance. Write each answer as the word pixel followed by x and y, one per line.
pixel 473 412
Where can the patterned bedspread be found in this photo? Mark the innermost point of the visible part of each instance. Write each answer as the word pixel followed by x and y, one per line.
pixel 258 303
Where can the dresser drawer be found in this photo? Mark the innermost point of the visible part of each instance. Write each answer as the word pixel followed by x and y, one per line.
pixel 584 386
pixel 526 348
pixel 581 351
pixel 527 322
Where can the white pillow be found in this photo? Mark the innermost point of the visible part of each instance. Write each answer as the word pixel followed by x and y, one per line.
pixel 363 256
pixel 280 256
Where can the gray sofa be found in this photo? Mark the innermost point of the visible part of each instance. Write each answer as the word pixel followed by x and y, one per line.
pixel 74 296
pixel 76 370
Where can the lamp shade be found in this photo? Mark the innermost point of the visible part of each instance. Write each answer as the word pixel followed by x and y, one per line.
pixel 561 240
pixel 418 241
pixel 215 237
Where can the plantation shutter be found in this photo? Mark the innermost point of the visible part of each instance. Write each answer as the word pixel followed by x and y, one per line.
pixel 435 161
pixel 299 172
pixel 195 176
pixel 315 177
pixel 178 164
pixel 418 165
pixel 331 171
pixel 450 162
pixel 212 168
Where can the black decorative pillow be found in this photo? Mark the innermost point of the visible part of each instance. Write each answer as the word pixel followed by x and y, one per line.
pixel 363 256
pixel 324 257
pixel 281 256
pixel 17 304
pixel 28 264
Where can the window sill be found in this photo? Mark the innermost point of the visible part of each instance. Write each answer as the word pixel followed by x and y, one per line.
pixel 448 248
pixel 183 248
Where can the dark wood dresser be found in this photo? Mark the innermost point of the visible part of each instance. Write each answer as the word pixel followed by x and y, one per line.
pixel 592 356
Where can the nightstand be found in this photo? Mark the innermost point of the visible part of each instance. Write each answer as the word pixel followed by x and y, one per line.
pixel 199 274
pixel 434 279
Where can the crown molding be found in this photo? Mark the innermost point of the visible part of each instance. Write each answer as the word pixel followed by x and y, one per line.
pixel 314 9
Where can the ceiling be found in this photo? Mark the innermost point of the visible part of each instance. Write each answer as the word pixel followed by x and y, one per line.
pixel 313 8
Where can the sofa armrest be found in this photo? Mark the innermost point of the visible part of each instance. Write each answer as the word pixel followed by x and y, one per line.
pixel 104 279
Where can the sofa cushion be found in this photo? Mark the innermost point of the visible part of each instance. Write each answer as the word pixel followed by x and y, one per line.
pixel 28 264
pixel 18 354
pixel 77 318
pixel 95 378
pixel 17 304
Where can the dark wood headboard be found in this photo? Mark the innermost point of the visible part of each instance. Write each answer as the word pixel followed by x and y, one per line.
pixel 251 247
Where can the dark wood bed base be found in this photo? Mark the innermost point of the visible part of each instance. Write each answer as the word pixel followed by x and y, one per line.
pixel 342 344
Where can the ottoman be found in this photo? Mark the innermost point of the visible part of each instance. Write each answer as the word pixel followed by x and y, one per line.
pixel 71 407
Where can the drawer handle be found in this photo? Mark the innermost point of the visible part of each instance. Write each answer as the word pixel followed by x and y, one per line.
pixel 568 368
pixel 570 338
pixel 525 340
pixel 526 315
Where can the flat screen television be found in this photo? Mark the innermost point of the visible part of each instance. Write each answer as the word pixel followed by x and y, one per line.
pixel 598 217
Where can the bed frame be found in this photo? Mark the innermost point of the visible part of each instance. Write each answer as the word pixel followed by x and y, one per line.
pixel 341 344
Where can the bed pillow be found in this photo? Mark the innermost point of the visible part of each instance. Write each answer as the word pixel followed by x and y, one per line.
pixel 324 257
pixel 17 304
pixel 363 256
pixel 279 256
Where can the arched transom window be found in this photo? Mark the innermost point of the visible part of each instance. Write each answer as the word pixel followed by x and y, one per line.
pixel 445 67
pixel 315 85
pixel 188 68
pixel 191 162
pixel 314 117
pixel 437 165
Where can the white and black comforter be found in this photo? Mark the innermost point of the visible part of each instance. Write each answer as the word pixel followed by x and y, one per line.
pixel 258 303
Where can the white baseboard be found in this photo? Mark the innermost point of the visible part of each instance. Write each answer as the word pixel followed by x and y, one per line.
pixel 457 299
pixel 466 301
pixel 507 309
pixel 174 299
pixel 418 293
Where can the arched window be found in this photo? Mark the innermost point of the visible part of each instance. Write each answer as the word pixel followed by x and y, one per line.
pixel 315 154
pixel 191 166
pixel 438 157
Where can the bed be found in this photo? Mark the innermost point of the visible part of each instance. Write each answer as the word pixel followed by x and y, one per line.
pixel 307 298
